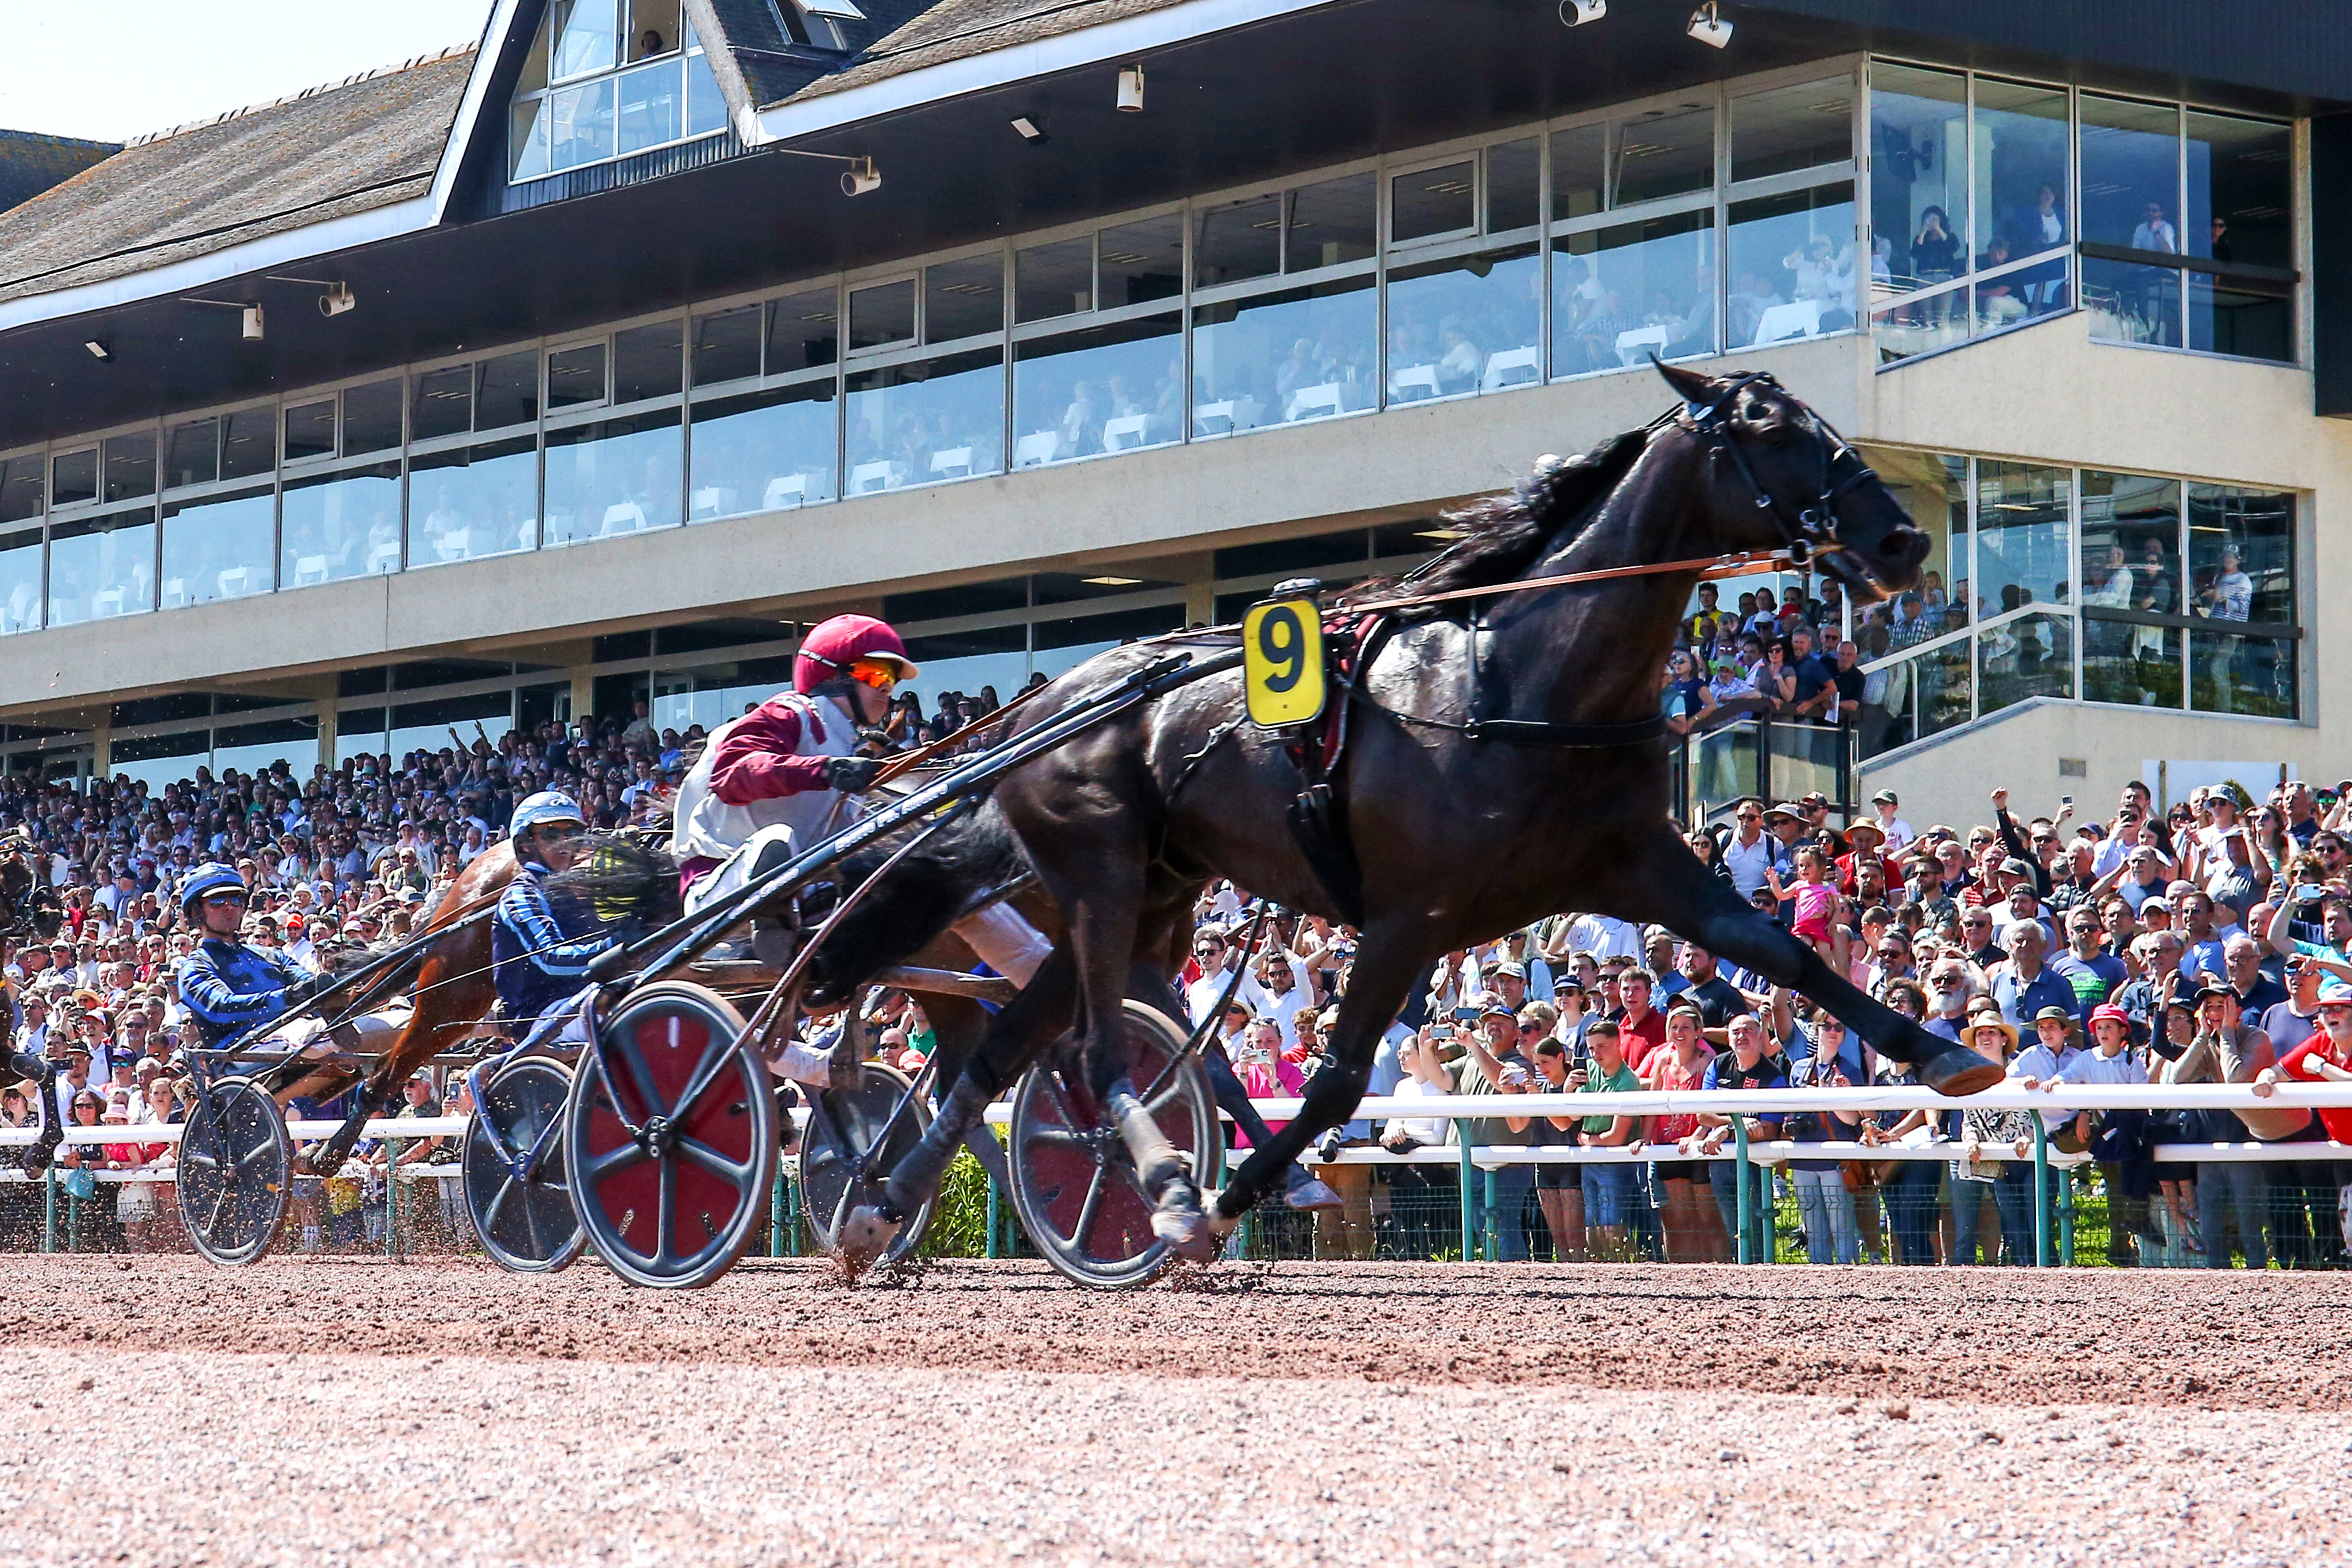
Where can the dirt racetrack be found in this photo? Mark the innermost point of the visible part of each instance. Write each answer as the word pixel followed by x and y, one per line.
pixel 330 1412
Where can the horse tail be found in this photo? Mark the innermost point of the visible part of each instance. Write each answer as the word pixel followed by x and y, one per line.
pixel 957 870
pixel 624 878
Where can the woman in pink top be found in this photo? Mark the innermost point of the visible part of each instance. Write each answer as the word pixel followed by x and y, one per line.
pixel 1264 1072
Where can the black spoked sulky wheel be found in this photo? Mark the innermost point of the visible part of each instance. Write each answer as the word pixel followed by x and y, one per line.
pixel 235 1172
pixel 525 1222
pixel 670 1181
pixel 841 1166
pixel 1073 1184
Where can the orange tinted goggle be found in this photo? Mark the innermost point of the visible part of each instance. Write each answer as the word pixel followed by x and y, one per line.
pixel 873 672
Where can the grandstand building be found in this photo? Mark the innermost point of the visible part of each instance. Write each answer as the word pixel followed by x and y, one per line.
pixel 588 363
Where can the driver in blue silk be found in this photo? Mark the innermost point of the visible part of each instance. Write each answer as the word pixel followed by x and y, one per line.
pixel 540 953
pixel 229 986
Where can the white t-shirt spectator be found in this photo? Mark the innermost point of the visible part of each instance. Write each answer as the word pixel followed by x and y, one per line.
pixel 1748 862
pixel 1422 1130
pixel 1604 937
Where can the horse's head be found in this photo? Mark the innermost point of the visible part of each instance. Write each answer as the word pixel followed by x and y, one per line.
pixel 29 907
pixel 1780 479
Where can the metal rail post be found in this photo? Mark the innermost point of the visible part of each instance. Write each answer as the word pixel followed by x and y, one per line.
pixel 990 1249
pixel 1469 1194
pixel 2066 1186
pixel 792 1219
pixel 1739 1170
pixel 392 1197
pixel 776 1213
pixel 2041 1193
pixel 1489 1237
pixel 49 1208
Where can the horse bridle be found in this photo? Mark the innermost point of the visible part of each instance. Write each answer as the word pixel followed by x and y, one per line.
pixel 20 916
pixel 1807 530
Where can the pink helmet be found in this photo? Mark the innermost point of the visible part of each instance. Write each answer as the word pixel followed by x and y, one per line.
pixel 833 647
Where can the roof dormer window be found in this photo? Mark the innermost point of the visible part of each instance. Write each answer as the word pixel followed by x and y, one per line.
pixel 610 78
pixel 816 23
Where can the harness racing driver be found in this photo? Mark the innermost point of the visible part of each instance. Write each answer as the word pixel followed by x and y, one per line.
pixel 538 959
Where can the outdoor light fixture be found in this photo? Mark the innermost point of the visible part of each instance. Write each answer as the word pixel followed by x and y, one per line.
pixel 1114 581
pixel 1576 12
pixel 249 326
pixel 860 177
pixel 1130 89
pixel 336 301
pixel 99 350
pixel 1030 129
pixel 1709 27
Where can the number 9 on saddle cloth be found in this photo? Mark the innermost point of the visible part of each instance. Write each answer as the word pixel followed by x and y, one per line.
pixel 1004 940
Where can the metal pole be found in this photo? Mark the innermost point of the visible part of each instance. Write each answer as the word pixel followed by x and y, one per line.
pixel 1739 1170
pixel 1469 1193
pixel 991 1251
pixel 50 1209
pixel 392 1197
pixel 776 1213
pixel 792 1219
pixel 2066 1218
pixel 1488 1237
pixel 2041 1193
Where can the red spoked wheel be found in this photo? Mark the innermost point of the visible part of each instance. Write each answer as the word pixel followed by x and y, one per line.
pixel 1074 1185
pixel 671 1134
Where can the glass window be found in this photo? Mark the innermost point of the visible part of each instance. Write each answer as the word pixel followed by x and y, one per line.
pixel 1579 167
pixel 1141 262
pixel 2231 672
pixel 1608 283
pixel 73 477
pixel 1056 279
pixel 2240 190
pixel 102 566
pixel 1915 696
pixel 2131 562
pixel 250 444
pixel 221 547
pixel 129 466
pixel 932 419
pixel 1098 389
pixel 579 124
pixel 158 760
pixel 764 451
pixel 1303 353
pixel 803 331
pixel 534 65
pixel 372 417
pixel 1331 223
pixel 1239 241
pixel 1792 265
pixel 1064 645
pixel 584 38
pixel 1918 179
pixel 191 455
pixel 645 362
pixel 612 477
pixel 963 298
pixel 711 695
pixel 251 748
pixel 653 28
pixel 650 111
pixel 706 107
pixel 575 377
pixel 20 581
pixel 310 430
pixel 1469 323
pixel 444 403
pixel 1429 202
pixel 2022 200
pixel 340 525
pixel 526 140
pixel 726 345
pixel 472 501
pixel 2033 656
pixel 1665 154
pixel 20 488
pixel 2241 554
pixel 882 315
pixel 2024 546
pixel 1790 128
pixel 1514 178
pixel 1933 490
pixel 507 391
pixel 425 726
pixel 2253 321
pixel 967 663
pixel 2131 169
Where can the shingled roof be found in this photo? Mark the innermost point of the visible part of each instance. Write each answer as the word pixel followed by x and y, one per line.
pixel 31 163
pixel 955 29
pixel 358 145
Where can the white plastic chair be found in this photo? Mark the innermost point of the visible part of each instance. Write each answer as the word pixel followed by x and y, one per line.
pixel 456 544
pixel 1315 402
pixel 234 580
pixel 309 569
pixel 783 492
pixel 106 602
pixel 1511 367
pixel 1214 418
pixel 955 463
pixel 623 517
pixel 1036 449
pixel 1127 432
pixel 1414 384
pixel 706 502
pixel 383 558
pixel 176 592
pixel 868 478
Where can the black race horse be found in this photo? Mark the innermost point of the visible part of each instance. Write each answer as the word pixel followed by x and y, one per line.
pixel 1554 797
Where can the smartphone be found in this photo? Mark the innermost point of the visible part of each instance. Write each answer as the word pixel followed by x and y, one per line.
pixel 1441 1031
pixel 2067 801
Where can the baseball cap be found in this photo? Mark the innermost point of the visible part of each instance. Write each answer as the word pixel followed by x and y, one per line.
pixel 1570 982
pixel 1517 970
pixel 2109 1010
pixel 2061 1014
pixel 2335 994
pixel 1883 797
pixel 1491 1005
pixel 2212 988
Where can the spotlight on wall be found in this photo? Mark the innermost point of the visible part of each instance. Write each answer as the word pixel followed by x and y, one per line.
pixel 1708 26
pixel 336 301
pixel 860 177
pixel 1130 89
pixel 99 350
pixel 1030 129
pixel 250 320
pixel 1576 12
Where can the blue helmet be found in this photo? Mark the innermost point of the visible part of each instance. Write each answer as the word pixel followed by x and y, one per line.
pixel 548 805
pixel 209 878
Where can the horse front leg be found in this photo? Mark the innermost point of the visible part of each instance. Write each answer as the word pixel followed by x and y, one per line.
pixel 1662 881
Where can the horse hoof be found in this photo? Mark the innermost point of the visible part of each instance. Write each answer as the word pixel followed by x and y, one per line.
pixel 865 1236
pixel 1310 1196
pixel 1957 1072
pixel 1179 1221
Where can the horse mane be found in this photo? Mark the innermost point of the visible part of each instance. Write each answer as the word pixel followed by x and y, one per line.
pixel 1503 535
